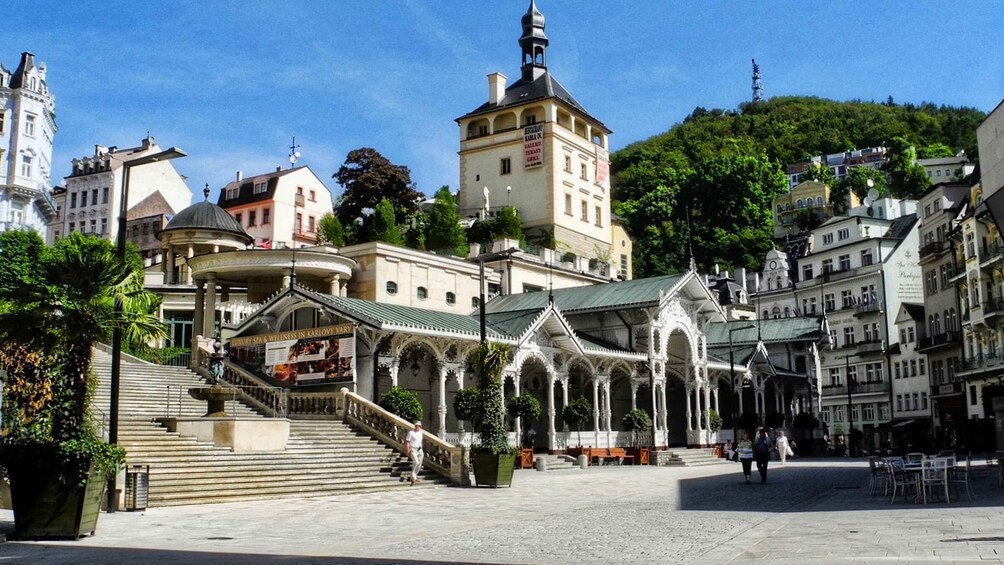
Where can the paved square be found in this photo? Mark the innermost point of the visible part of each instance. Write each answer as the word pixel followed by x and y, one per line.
pixel 811 511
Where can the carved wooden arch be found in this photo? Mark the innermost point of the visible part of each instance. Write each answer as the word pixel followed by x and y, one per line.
pixel 408 342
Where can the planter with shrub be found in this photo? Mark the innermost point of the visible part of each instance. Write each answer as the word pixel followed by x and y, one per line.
pixel 492 458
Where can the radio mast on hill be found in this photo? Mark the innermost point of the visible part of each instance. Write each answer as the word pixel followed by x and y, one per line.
pixel 757 87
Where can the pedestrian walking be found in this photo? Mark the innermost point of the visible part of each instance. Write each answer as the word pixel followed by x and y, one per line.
pixel 413 450
pixel 783 448
pixel 746 455
pixel 761 452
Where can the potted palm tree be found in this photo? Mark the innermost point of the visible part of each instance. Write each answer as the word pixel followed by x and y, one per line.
pixel 527 409
pixel 492 458
pixel 638 422
pixel 55 305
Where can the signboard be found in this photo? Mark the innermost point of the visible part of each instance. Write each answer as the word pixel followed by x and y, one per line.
pixel 313 356
pixel 946 389
pixel 533 146
pixel 602 165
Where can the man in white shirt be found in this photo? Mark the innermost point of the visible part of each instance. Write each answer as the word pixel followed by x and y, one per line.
pixel 413 450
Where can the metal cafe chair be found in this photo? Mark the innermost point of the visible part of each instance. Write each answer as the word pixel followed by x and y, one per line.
pixel 900 481
pixel 934 475
pixel 959 477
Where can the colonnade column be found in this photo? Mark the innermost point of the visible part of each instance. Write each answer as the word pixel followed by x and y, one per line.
pixel 564 401
pixel 209 320
pixel 707 408
pixel 690 412
pixel 663 410
pixel 518 424
pixel 596 411
pixel 606 402
pixel 395 366
pixel 551 439
pixel 199 314
pixel 189 253
pixel 634 396
pixel 442 400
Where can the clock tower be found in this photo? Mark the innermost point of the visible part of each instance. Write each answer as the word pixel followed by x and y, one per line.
pixel 533 147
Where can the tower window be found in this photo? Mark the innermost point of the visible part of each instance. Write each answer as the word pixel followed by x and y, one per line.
pixel 451 298
pixel 29 125
pixel 391 287
pixel 568 164
pixel 26 166
pixel 568 204
pixel 583 171
pixel 422 293
pixel 505 166
pixel 585 211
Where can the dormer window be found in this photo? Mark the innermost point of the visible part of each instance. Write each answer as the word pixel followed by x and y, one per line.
pixel 233 192
pixel 260 187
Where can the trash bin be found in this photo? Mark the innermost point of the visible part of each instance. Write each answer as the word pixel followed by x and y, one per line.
pixel 137 487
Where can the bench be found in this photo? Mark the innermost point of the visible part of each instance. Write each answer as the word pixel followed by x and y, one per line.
pixel 609 454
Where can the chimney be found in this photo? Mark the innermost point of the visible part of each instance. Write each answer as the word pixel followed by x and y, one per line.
pixel 278 168
pixel 496 87
pixel 741 277
pixel 240 176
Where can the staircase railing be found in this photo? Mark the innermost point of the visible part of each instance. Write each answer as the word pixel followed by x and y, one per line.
pixel 442 457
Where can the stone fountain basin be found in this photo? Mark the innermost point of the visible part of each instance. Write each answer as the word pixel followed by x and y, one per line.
pixel 216 397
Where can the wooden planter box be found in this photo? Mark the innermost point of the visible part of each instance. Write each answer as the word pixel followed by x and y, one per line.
pixel 525 458
pixel 642 455
pixel 46 508
pixel 492 470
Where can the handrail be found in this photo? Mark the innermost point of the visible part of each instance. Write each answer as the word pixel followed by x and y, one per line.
pixel 267 398
pixel 440 456
pixel 247 396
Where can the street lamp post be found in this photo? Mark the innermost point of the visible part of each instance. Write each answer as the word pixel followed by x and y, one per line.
pixel 113 412
pixel 732 371
pixel 481 273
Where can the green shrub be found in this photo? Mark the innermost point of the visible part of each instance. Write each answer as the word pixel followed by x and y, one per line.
pixel 524 406
pixel 716 420
pixel 576 413
pixel 403 403
pixel 489 361
pixel 636 420
pixel 465 405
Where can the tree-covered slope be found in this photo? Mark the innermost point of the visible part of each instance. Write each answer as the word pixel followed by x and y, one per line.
pixel 723 165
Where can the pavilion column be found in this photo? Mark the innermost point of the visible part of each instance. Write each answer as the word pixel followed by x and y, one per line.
pixel 564 401
pixel 164 266
pixel 690 413
pixel 395 367
pixel 551 439
pixel 197 322
pixel 607 407
pixel 209 317
pixel 169 260
pixel 189 253
pixel 518 424
pixel 333 285
pixel 596 411
pixel 653 389
pixel 634 396
pixel 664 413
pixel 442 400
pixel 707 408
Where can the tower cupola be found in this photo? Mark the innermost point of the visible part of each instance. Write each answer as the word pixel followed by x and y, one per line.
pixel 533 42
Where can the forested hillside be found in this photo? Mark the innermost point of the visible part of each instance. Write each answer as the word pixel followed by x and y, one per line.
pixel 725 166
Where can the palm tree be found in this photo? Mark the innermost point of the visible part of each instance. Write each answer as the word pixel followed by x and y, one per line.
pixel 70 306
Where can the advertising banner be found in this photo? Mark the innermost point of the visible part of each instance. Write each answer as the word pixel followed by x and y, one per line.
pixel 303 357
pixel 602 165
pixel 533 145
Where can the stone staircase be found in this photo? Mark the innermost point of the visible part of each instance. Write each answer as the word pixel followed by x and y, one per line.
pixel 689 458
pixel 557 462
pixel 323 457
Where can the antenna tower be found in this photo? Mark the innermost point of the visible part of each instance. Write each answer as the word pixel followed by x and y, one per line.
pixel 757 86
pixel 294 154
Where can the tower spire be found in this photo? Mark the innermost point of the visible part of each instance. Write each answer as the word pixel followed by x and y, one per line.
pixel 757 87
pixel 533 43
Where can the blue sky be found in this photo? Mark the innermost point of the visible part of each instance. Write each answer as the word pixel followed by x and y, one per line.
pixel 232 82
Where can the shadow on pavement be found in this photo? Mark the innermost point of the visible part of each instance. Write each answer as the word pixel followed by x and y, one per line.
pixel 803 488
pixel 70 552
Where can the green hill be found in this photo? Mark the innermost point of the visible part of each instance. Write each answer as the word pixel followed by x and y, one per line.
pixel 725 167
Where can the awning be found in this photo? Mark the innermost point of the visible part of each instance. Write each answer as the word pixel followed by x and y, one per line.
pixel 901 425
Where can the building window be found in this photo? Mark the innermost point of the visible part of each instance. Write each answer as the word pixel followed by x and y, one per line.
pixel 923 401
pixel 568 204
pixel 3 115
pixel 848 336
pixel 265 216
pixel 866 257
pixel 73 226
pixel 252 218
pixel 568 161
pixel 104 195
pixel 896 369
pixel 869 411
pixel 845 262
pixel 585 211
pixel 313 196
pixel 421 293
pixel 298 225
pixel 583 171
pixel 239 217
pixel 259 187
pixel 94 226
pixel 391 287
pixel 94 197
pixel 310 224
pixel 29 125
pixel 475 302
pixel 827 266
pixel 599 217
pixel 624 265
pixel 451 298
pixel 104 225
pixel 73 201
pixel 899 402
pixel 505 166
pixel 843 234
pixel 830 302
pixel 846 299
pixel 233 192
pixel 26 165
pixel 884 411
pixel 827 238
pixel 806 272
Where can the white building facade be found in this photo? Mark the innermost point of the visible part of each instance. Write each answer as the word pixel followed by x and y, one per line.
pixel 27 128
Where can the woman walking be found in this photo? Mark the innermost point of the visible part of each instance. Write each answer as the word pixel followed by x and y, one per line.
pixel 746 455
pixel 783 449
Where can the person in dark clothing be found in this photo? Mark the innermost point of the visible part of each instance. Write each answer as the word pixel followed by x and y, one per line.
pixel 761 453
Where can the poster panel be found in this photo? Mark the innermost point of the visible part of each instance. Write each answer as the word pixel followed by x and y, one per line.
pixel 533 145
pixel 602 166
pixel 303 357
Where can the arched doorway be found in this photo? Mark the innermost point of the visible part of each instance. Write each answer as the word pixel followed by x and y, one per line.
pixel 419 372
pixel 534 379
pixel 676 409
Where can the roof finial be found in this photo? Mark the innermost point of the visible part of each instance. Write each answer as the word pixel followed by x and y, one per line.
pixel 206 191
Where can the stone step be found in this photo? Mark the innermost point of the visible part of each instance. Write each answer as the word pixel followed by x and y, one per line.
pixel 184 500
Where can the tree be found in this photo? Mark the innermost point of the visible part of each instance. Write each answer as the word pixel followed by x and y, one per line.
pixel 907 179
pixel 403 403
pixel 636 421
pixel 818 173
pixel 576 413
pixel 368 177
pixel 807 219
pixel 442 225
pixel 21 253
pixel 466 406
pixel 934 151
pixel 524 406
pixel 509 225
pixel 330 231
pixel 383 226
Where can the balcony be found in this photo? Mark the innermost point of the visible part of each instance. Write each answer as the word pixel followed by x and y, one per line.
pixel 934 248
pixel 983 362
pixel 991 254
pixel 870 346
pixel 932 343
pixel 298 200
pixel 993 307
pixel 867 308
pixel 861 388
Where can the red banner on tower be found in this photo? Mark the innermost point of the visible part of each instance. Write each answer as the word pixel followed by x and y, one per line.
pixel 602 165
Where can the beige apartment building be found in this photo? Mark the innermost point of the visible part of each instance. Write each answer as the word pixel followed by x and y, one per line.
pixel 281 209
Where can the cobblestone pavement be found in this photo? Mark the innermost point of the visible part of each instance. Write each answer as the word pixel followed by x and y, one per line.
pixel 810 511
